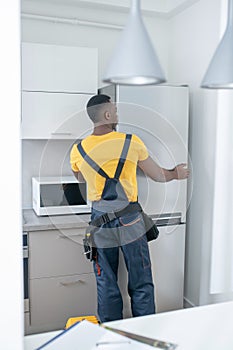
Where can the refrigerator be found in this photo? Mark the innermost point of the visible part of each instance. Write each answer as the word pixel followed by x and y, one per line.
pixel 159 115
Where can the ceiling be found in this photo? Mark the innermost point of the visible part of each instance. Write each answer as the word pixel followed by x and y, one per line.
pixel 166 8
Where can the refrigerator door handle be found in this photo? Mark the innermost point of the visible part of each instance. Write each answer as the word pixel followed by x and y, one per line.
pixel 167 219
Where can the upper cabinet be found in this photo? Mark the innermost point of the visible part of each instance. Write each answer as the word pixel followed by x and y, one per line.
pixel 57 68
pixel 57 82
pixel 55 115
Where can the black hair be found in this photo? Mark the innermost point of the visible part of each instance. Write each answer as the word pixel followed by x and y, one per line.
pixel 94 106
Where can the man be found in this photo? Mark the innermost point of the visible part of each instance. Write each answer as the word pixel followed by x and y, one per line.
pixel 127 232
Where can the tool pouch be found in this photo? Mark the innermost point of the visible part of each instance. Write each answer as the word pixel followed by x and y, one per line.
pixel 152 231
pixel 88 246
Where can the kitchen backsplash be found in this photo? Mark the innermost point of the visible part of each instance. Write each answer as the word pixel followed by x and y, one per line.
pixel 43 158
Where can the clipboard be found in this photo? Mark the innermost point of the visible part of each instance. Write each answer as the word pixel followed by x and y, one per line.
pixel 89 336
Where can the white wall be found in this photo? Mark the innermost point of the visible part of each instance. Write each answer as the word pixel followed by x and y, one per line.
pixel 11 294
pixel 195 34
pixel 221 278
pixel 43 158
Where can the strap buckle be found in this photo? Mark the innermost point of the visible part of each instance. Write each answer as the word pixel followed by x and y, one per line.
pixel 107 217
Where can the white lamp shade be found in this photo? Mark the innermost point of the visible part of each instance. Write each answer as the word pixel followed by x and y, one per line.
pixel 134 61
pixel 219 74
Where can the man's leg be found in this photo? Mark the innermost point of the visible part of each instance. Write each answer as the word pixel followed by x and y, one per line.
pixel 110 303
pixel 140 283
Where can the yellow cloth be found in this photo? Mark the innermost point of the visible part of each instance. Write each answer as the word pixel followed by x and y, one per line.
pixel 105 150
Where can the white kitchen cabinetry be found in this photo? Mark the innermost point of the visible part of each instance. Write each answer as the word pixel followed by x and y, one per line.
pixel 167 259
pixel 58 68
pixel 61 280
pixel 56 299
pixel 54 116
pixel 57 82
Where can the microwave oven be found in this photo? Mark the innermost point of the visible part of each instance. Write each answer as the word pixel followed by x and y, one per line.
pixel 59 195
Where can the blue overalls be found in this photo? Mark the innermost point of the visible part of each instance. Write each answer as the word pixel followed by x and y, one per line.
pixel 128 234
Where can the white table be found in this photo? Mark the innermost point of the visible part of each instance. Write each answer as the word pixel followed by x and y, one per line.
pixel 33 341
pixel 202 328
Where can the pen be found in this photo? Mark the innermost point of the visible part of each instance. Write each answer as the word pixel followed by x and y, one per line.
pixel 112 342
pixel 149 341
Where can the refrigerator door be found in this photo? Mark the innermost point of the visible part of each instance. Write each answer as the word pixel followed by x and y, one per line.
pixel 159 116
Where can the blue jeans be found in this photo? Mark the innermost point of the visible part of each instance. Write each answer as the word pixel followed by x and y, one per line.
pixel 140 283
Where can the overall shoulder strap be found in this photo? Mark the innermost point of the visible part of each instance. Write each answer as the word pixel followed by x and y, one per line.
pixel 123 156
pixel 120 164
pixel 91 162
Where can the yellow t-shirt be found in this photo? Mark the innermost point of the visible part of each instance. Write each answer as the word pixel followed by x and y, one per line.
pixel 105 150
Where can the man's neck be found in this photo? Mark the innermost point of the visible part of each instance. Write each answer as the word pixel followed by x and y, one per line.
pixel 102 129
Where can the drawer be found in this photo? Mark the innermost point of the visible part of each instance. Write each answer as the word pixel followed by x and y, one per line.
pixel 54 300
pixel 57 253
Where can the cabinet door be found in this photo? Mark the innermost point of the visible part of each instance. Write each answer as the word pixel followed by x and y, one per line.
pixel 57 68
pixel 167 259
pixel 57 253
pixel 54 300
pixel 51 115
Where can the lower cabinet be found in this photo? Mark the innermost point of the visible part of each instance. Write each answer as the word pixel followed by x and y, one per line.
pixel 167 259
pixel 61 281
pixel 54 300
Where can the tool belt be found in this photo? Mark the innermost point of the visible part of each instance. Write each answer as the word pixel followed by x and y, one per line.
pixel 107 217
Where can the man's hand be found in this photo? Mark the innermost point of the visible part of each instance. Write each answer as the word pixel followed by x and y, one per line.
pixel 181 172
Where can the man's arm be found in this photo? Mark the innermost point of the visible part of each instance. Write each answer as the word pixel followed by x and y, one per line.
pixel 156 173
pixel 79 176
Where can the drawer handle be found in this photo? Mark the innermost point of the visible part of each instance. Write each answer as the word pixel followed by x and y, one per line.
pixel 72 283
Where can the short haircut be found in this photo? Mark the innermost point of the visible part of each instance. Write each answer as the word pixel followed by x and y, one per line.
pixel 94 106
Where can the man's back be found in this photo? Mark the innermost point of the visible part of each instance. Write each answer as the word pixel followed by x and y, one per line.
pixel 105 150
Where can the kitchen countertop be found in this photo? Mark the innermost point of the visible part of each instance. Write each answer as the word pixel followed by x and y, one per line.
pixel 32 222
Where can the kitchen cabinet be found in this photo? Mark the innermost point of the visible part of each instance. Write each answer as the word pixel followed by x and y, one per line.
pixel 61 280
pixel 54 115
pixel 54 300
pixel 167 259
pixel 58 68
pixel 62 252
pixel 57 82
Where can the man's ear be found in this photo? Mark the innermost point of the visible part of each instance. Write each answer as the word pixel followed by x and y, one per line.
pixel 107 115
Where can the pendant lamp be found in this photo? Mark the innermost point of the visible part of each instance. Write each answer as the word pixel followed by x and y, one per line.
pixel 134 61
pixel 219 75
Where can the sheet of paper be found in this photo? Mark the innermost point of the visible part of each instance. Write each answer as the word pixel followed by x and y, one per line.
pixel 89 336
